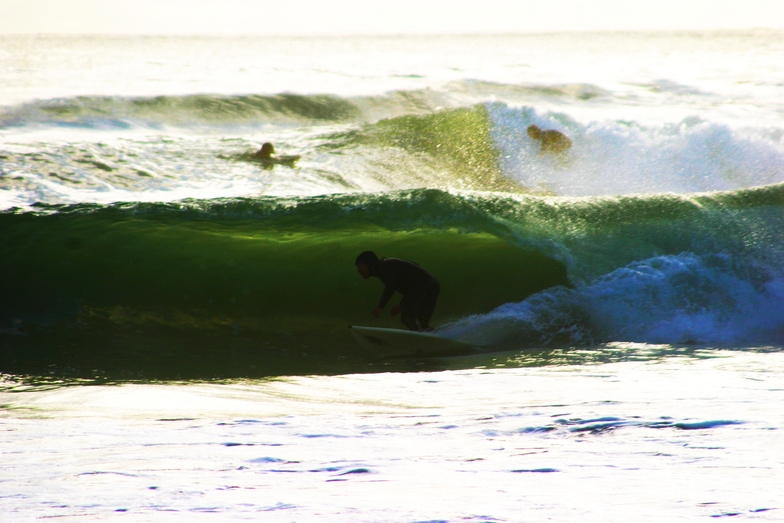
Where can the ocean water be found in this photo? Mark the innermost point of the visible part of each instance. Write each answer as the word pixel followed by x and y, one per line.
pixel 173 341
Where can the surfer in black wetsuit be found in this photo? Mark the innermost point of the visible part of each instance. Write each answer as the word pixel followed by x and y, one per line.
pixel 268 158
pixel 266 152
pixel 552 141
pixel 419 288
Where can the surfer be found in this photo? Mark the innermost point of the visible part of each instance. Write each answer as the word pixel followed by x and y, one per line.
pixel 419 288
pixel 552 141
pixel 267 156
pixel 266 151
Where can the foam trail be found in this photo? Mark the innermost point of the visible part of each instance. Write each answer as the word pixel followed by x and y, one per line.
pixel 677 299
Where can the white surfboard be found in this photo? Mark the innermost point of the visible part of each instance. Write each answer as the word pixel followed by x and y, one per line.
pixel 391 343
pixel 268 163
pixel 282 160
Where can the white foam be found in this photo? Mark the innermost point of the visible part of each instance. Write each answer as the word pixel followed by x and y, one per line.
pixel 681 299
pixel 620 157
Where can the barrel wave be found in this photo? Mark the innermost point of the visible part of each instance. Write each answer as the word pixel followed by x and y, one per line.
pixel 263 286
pixel 236 287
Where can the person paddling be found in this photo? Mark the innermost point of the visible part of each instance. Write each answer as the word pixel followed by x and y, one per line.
pixel 419 288
pixel 268 158
pixel 266 151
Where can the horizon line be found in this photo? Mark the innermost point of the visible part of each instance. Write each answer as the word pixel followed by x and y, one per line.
pixel 400 34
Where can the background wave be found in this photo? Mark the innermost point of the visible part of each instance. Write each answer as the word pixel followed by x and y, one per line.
pixel 198 110
pixel 123 112
pixel 346 145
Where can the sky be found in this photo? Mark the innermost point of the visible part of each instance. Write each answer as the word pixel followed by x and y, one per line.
pixel 352 17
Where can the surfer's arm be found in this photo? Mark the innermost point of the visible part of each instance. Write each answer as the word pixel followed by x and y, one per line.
pixel 389 290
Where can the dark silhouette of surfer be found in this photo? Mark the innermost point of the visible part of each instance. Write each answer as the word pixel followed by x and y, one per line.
pixel 419 288
pixel 268 158
pixel 552 141
pixel 266 151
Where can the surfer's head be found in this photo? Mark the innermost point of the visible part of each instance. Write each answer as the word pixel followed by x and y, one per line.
pixel 534 132
pixel 266 151
pixel 365 263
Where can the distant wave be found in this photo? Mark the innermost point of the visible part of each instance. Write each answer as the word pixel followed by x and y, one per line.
pixel 103 112
pixel 395 141
pixel 122 112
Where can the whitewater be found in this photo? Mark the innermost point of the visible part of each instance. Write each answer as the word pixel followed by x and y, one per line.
pixel 173 341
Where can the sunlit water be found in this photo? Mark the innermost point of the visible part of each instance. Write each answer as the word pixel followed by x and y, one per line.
pixel 685 437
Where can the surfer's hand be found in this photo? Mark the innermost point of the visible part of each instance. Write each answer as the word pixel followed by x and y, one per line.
pixel 377 312
pixel 394 310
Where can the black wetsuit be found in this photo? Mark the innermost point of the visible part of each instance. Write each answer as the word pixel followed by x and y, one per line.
pixel 419 289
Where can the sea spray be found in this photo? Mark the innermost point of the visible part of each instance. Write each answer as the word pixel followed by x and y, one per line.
pixel 676 300
pixel 625 157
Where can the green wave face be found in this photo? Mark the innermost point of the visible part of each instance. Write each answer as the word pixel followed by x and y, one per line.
pixel 253 287
pixel 456 141
pixel 140 290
